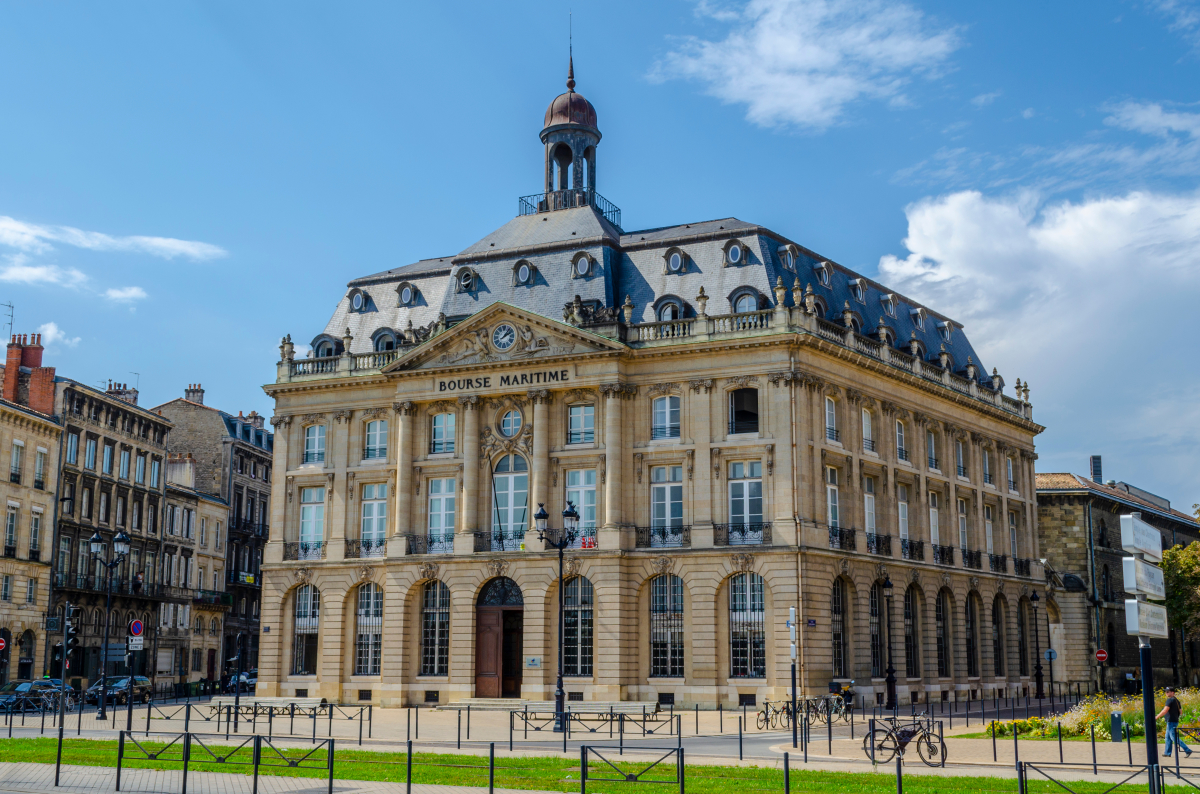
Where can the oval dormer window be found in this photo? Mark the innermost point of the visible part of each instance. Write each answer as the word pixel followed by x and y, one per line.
pixel 357 301
pixel 735 253
pixel 406 295
pixel 675 263
pixel 581 267
pixel 465 281
pixel 523 274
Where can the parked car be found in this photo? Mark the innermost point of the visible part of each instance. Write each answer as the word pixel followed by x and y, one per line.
pixel 27 695
pixel 251 680
pixel 118 690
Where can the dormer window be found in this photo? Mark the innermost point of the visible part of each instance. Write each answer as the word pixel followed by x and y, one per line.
pixel 918 318
pixel 669 311
pixel 323 349
pixel 889 304
pixel 581 266
pixel 407 294
pixel 858 290
pixel 945 329
pixel 384 341
pixel 523 274
pixel 467 280
pixel 789 256
pixel 359 300
pixel 823 272
pixel 735 253
pixel 745 303
pixel 675 261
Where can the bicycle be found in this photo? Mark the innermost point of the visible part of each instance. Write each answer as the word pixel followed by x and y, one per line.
pixel 884 742
pixel 772 716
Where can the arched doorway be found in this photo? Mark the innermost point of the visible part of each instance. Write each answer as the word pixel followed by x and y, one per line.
pixel 499 625
pixel 27 646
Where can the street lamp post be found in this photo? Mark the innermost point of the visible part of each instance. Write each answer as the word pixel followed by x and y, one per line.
pixel 890 681
pixel 563 541
pixel 120 549
pixel 1037 648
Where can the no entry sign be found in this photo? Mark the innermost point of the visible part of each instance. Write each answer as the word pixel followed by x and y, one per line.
pixel 1101 655
pixel 3 644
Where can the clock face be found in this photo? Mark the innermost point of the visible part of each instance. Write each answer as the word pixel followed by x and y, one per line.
pixel 504 336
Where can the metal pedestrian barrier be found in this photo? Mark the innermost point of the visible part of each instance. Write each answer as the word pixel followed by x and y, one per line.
pixel 614 774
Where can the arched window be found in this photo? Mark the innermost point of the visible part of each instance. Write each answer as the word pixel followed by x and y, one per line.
pixel 578 602
pixel 743 411
pixel 970 626
pixel 214 627
pixel 747 632
pixel 998 637
pixel 1105 592
pixel 666 626
pixel 746 302
pixel 670 310
pixel 837 622
pixel 314 444
pixel 665 418
pixel 435 629
pixel 942 616
pixel 307 626
pixel 1022 640
pixel 510 501
pixel 385 342
pixel 369 635
pixel 198 626
pixel 877 653
pixel 324 349
pixel 376 442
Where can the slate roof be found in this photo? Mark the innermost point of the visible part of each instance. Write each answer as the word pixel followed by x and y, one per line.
pixel 1051 482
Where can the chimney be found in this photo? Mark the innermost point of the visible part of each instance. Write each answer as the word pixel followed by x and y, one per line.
pixel 31 354
pixel 1097 470
pixel 12 370
pixel 255 419
pixel 194 393
pixel 181 470
pixel 121 391
pixel 41 389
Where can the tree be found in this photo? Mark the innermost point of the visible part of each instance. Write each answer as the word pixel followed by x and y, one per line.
pixel 1181 572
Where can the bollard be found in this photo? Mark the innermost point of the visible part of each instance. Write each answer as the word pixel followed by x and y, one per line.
pixel 994 759
pixel 360 726
pixel 187 718
pixel 314 720
pixel 120 755
pixel 370 719
pixel 621 735
pixel 408 770
pixel 417 724
pixel 187 756
pixel 739 738
pixel 468 722
pixel 900 776
pixel 270 721
pixel 697 718
pixel 1060 752
pixel 679 731
pixel 491 768
pixel 1094 772
pixel 459 729
pixel 1128 745
pixel 943 741
pixel 331 762
pixel 510 731
pixel 829 728
pixel 787 775
pixel 148 702
pixel 721 717
pixel 292 723
pixel 1016 748
pixel 256 759
pixel 330 720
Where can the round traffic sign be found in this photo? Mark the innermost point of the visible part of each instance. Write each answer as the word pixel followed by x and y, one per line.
pixel 135 628
pixel 1050 654
pixel 3 644
pixel 1101 655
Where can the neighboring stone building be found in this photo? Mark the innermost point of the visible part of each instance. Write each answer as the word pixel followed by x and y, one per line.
pixel 232 457
pixel 111 479
pixel 30 436
pixel 1079 525
pixel 744 425
pixel 194 559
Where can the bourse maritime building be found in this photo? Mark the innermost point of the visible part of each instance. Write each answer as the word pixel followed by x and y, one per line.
pixel 743 425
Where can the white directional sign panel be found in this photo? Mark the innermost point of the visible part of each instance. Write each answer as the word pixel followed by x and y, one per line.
pixel 1144 619
pixel 136 643
pixel 1142 578
pixel 1138 537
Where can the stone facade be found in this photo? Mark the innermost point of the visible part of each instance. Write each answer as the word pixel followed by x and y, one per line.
pixel 1079 522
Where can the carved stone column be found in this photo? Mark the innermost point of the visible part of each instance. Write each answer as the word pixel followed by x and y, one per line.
pixel 614 454
pixel 405 411
pixel 541 451
pixel 280 492
pixel 464 541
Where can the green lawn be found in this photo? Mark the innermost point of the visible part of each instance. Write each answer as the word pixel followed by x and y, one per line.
pixel 542 773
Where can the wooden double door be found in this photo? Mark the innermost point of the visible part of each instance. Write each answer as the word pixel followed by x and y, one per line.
pixel 498 651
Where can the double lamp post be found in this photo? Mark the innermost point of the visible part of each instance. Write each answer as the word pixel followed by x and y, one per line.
pixel 560 540
pixel 120 549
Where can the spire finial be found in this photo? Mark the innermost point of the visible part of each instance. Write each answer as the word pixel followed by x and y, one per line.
pixel 570 55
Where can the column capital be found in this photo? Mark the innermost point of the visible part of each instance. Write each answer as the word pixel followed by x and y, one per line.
pixel 618 391
pixel 469 401
pixel 406 408
pixel 540 396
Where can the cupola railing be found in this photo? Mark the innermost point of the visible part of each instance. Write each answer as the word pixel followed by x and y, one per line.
pixel 569 199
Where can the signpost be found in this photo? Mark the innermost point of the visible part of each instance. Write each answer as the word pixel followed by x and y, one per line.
pixel 1144 580
pixel 1102 656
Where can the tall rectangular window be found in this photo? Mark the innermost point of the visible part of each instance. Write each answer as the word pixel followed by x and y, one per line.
pixel 442 511
pixel 1012 533
pixel 1012 482
pixel 934 534
pixel 89 454
pixel 64 556
pixel 314 444
pixel 581 424
pixel 902 510
pixel 666 626
pixel 666 496
pixel 581 492
pixel 831 428
pixel 376 446
pixel 154 469
pixel 443 434
pixel 987 467
pixel 901 447
pixel 665 418
pixel 125 454
pixel 73 448
pixel 369 637
pixel 578 604
pixel 18 456
pixel 940 617
pixel 745 493
pixel 831 496
pixel 312 522
pixel 139 470
pixel 837 623
pixel 747 633
pixel 877 657
pixel 931 449
pixel 39 470
pixel 10 533
pixel 31 591
pixel 6 588
pixel 987 528
pixel 962 523
pixel 869 503
pixel 35 531
pixel 960 459
pixel 435 629
pixel 868 431
pixel 108 459
pixel 373 529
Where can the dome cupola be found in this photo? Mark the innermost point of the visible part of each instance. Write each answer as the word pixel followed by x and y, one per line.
pixel 570 135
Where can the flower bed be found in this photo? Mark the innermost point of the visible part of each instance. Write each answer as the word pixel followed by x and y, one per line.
pixel 1096 711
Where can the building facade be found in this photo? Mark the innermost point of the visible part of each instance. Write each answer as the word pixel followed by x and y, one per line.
pixel 1080 527
pixel 30 435
pixel 743 425
pixel 232 456
pixel 112 478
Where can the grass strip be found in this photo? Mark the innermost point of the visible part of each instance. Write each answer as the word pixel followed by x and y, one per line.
pixel 541 773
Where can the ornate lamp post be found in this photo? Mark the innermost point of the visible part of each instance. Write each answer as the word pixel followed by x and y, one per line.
pixel 1037 647
pixel 890 681
pixel 559 540
pixel 120 550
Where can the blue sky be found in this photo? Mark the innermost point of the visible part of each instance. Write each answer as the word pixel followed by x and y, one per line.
pixel 184 183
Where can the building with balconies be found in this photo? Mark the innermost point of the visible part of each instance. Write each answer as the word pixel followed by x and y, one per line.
pixel 233 458
pixel 743 426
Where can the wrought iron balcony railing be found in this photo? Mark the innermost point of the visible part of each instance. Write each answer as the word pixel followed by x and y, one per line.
pixel 972 559
pixel 1012 485
pixel 869 444
pixel 664 431
pixel 943 555
pixel 933 463
pixel 902 453
pixel 441 447
pixel 663 537
pixel 215 597
pixel 35 555
pixel 374 453
pixel 432 543
pixel 743 426
pixel 581 436
pixel 304 550
pixel 245 578
pixel 15 476
pixel 356 548
pixel 569 199
pixel 962 471
pixel 10 551
pixel 912 549
pixel 39 483
pixel 499 541
pixel 844 539
pixel 879 544
pixel 998 563
pixel 742 534
pixel 832 434
pixel 1021 566
pixel 314 457
pixel 987 478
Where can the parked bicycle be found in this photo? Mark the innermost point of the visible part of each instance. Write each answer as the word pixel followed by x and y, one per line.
pixel 775 716
pixel 890 737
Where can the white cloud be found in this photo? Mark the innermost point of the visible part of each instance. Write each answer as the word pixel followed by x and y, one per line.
pixel 1091 301
pixel 801 62
pixel 985 99
pixel 53 335
pixel 17 269
pixel 1184 18
pixel 125 294
pixel 36 238
pixel 1027 113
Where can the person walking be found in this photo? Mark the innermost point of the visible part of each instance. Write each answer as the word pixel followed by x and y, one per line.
pixel 1172 711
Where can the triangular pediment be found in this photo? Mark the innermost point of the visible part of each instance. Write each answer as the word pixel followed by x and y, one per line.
pixel 475 341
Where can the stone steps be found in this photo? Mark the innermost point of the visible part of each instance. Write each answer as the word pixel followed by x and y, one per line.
pixel 543 706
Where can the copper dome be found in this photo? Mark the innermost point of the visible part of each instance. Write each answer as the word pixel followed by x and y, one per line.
pixel 570 108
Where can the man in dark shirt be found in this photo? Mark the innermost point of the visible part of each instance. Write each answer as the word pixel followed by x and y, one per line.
pixel 1172 711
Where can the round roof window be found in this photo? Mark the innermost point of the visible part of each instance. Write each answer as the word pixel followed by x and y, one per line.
pixel 675 263
pixel 406 295
pixel 735 253
pixel 523 274
pixel 357 301
pixel 465 279
pixel 581 267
